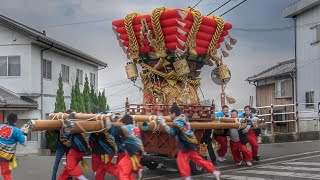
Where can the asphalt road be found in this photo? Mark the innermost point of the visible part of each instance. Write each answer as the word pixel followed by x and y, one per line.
pixel 298 160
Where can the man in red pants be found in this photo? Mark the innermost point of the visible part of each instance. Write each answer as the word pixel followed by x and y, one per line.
pixel 220 135
pixel 252 134
pixel 10 135
pixel 187 143
pixel 129 161
pixel 79 144
pixel 238 141
pixel 103 148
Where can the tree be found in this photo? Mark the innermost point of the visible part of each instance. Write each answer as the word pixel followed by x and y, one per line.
pixel 94 98
pixel 60 106
pixel 73 101
pixel 77 103
pixel 99 101
pixel 104 100
pixel 86 96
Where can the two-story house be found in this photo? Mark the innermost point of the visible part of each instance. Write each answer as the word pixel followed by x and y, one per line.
pixel 30 63
pixel 306 16
pixel 275 86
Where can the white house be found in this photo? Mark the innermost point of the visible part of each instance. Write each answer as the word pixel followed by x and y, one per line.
pixel 306 15
pixel 30 63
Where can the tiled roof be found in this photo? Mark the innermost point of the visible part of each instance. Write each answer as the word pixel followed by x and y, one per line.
pixel 282 68
pixel 10 99
pixel 43 39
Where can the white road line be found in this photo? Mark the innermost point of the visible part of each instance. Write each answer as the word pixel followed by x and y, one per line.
pixel 89 157
pixel 303 163
pixel 292 168
pixel 233 177
pixel 278 162
pixel 285 174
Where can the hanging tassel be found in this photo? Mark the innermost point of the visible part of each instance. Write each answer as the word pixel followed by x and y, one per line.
pixel 216 58
pixel 84 164
pixel 192 51
pixel 13 163
pixel 105 158
pixel 224 53
pixel 228 46
pixel 232 41
pixel 207 61
pixel 230 99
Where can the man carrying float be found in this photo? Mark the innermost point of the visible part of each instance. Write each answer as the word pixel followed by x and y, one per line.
pixel 187 143
pixel 10 135
pixel 252 133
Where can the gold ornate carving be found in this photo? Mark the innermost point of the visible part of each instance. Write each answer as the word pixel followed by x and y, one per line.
pixel 133 43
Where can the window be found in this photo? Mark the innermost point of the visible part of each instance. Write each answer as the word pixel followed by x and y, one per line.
pixel 9 65
pixel 310 99
pixel 283 88
pixel 46 69
pixel 80 76
pixel 92 79
pixel 65 73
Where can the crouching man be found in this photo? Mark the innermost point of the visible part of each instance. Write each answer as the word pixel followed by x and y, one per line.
pixel 238 141
pixel 187 143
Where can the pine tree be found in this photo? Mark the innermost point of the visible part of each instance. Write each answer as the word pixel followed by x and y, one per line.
pixel 86 96
pixel 100 102
pixel 82 107
pixel 94 98
pixel 73 101
pixel 60 106
pixel 104 100
pixel 77 98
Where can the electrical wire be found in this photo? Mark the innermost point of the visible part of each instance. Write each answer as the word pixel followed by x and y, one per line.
pixel 233 7
pixel 197 4
pixel 75 23
pixel 119 91
pixel 219 7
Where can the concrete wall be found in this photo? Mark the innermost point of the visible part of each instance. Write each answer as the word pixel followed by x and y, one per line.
pixel 13 43
pixel 308 64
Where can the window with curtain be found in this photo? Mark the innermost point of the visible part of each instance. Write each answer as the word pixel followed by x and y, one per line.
pixel 310 99
pixel 65 73
pixel 10 66
pixel 92 79
pixel 283 88
pixel 46 69
pixel 80 76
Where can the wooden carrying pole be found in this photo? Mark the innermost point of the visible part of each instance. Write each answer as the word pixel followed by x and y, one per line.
pixel 93 126
pixel 137 118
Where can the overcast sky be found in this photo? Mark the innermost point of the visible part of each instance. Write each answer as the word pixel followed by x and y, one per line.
pixel 254 52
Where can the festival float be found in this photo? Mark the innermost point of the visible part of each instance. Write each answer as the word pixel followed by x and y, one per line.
pixel 171 46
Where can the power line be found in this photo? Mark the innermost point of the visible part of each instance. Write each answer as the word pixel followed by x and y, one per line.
pixel 197 4
pixel 233 7
pixel 75 23
pixel 219 7
pixel 119 91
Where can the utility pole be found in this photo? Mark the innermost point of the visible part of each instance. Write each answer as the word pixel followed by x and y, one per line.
pixel 222 94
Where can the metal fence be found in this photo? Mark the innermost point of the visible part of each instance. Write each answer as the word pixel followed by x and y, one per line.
pixel 290 114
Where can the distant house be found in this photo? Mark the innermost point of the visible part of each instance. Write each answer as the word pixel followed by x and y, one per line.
pixel 306 16
pixel 275 86
pixel 30 63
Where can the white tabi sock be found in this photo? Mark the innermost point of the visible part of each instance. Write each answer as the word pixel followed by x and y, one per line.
pixel 82 177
